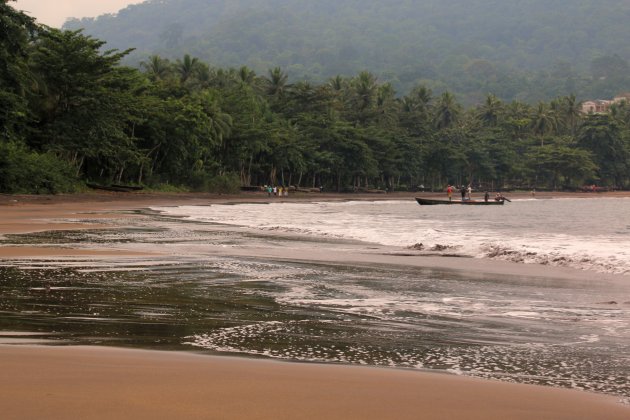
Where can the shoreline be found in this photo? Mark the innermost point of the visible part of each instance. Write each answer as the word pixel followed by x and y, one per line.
pixel 96 382
pixel 32 214
pixel 140 196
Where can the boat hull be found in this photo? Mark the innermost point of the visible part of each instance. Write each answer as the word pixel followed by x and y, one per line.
pixel 432 202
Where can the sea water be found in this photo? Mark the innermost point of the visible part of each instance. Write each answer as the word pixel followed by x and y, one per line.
pixel 562 332
pixel 591 234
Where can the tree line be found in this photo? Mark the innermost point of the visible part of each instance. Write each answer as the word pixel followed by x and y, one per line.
pixel 71 113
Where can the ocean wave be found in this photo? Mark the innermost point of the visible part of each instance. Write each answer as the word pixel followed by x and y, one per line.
pixel 523 255
pixel 301 231
pixel 579 261
pixel 546 232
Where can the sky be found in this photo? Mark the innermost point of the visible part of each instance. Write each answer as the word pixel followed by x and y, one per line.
pixel 55 12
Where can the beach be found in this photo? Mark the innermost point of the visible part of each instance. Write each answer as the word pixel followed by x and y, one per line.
pixel 110 382
pixel 99 383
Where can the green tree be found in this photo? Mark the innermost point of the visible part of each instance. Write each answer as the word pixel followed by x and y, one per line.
pixel 570 113
pixel 361 102
pixel 277 83
pixel 447 111
pixel 157 68
pixel 188 68
pixel 247 76
pixel 563 164
pixel 85 103
pixel 17 30
pixel 602 135
pixel 415 112
pixel 490 111
pixel 544 121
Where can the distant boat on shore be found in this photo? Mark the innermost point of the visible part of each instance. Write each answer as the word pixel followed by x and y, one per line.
pixel 432 202
pixel 114 187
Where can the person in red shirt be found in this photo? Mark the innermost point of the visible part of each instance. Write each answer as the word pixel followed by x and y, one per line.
pixel 449 191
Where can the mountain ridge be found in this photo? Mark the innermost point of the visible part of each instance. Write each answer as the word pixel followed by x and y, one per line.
pixel 529 50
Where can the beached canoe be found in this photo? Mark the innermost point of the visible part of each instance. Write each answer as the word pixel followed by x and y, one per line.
pixel 431 202
pixel 115 188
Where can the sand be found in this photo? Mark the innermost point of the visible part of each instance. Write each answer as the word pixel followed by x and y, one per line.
pixel 98 383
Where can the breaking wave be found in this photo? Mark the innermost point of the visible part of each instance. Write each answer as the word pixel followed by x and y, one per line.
pixel 580 261
pixel 587 234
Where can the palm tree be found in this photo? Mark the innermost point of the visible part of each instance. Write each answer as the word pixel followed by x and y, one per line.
pixel 339 88
pixel 571 112
pixel 544 121
pixel 277 83
pixel 187 68
pixel 518 110
pixel 415 110
pixel 386 104
pixel 203 75
pixel 220 123
pixel 620 113
pixel 447 111
pixel 246 75
pixel 337 83
pixel 365 88
pixel 422 95
pixel 157 68
pixel 516 120
pixel 303 93
pixel 491 110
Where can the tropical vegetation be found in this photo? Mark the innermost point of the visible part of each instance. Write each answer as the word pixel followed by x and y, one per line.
pixel 70 113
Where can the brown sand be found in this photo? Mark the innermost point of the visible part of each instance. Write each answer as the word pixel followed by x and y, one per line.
pixel 100 383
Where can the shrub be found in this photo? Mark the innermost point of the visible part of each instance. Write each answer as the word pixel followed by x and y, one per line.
pixel 167 188
pixel 24 171
pixel 224 184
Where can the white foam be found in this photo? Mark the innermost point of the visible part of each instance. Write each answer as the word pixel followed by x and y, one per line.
pixel 528 231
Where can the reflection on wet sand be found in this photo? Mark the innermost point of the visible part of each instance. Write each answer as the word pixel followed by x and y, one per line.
pixel 515 328
pixel 321 313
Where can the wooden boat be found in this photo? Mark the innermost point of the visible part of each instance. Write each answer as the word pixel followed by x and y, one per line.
pixel 115 188
pixel 432 202
pixel 128 187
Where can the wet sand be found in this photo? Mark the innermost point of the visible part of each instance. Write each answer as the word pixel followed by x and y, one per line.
pixel 91 382
pixel 100 383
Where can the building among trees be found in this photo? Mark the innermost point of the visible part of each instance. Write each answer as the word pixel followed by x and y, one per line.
pixel 602 106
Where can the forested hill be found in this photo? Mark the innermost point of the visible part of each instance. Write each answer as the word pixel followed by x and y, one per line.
pixel 179 124
pixel 526 50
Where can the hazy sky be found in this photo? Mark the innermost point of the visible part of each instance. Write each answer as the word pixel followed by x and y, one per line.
pixel 55 12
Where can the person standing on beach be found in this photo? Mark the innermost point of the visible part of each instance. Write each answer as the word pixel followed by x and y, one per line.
pixel 486 196
pixel 469 191
pixel 449 192
pixel 463 192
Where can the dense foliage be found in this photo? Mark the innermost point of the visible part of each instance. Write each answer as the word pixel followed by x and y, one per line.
pixel 71 113
pixel 519 50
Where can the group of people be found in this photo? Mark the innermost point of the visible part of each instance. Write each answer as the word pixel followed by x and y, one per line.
pixel 277 191
pixel 466 192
